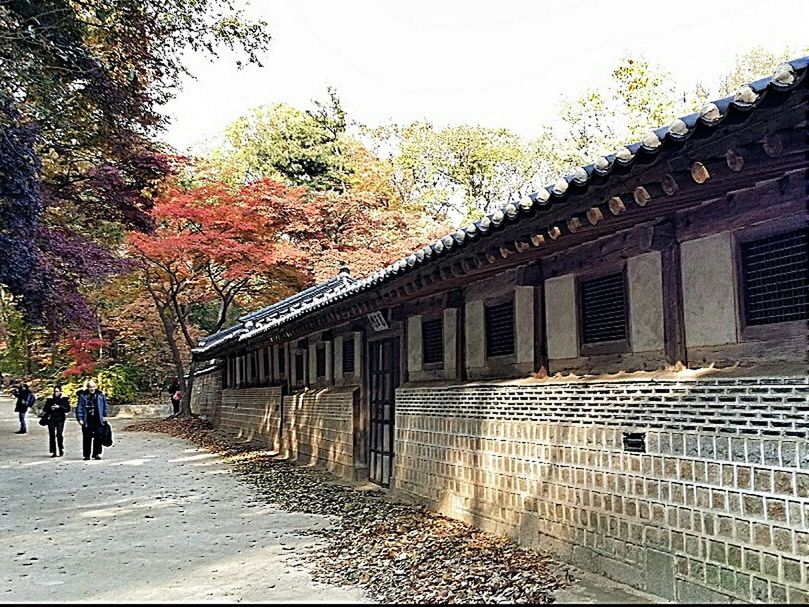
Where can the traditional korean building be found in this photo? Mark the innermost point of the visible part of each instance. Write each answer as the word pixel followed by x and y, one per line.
pixel 612 369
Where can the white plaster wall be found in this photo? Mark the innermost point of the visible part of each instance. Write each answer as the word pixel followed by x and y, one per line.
pixel 338 357
pixel 645 276
pixel 358 354
pixel 450 341
pixel 560 313
pixel 329 354
pixel 415 351
pixel 475 335
pixel 709 291
pixel 311 369
pixel 524 323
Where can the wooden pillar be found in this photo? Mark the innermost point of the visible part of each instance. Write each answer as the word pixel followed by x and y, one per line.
pixel 533 276
pixel 361 407
pixel 455 299
pixel 665 240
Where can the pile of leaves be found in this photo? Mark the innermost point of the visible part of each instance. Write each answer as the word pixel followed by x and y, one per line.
pixel 396 552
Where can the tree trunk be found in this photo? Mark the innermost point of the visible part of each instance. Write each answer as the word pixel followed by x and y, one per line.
pixel 168 328
pixel 188 387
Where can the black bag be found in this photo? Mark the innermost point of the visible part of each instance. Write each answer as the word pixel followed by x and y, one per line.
pixel 43 421
pixel 106 435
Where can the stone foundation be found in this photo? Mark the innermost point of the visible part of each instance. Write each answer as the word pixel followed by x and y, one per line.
pixel 717 507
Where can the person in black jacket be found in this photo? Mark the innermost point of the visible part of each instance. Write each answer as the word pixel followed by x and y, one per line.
pixel 174 392
pixel 25 400
pixel 56 407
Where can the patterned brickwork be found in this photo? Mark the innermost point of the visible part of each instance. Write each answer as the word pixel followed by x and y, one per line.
pixel 206 398
pixel 318 429
pixel 252 413
pixel 718 507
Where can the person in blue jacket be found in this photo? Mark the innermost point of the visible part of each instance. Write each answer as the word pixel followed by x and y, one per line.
pixel 90 413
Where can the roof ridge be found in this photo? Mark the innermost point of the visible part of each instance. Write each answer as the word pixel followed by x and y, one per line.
pixel 787 76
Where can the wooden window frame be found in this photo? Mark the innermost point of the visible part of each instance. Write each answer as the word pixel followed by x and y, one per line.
pixel 282 369
pixel 300 379
pixel 320 350
pixel 267 366
pixel 346 340
pixel 773 331
pixel 436 365
pixel 497 301
pixel 616 346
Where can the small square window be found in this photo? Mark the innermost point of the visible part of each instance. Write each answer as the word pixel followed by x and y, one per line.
pixel 603 309
pixel 320 361
pixel 348 354
pixel 775 278
pixel 432 334
pixel 500 329
pixel 299 368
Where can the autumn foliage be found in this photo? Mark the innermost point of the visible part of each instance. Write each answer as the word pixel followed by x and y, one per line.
pixel 82 350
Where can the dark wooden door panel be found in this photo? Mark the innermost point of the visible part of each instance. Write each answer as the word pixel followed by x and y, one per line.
pixel 383 375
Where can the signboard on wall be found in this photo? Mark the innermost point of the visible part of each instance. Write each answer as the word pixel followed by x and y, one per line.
pixel 378 321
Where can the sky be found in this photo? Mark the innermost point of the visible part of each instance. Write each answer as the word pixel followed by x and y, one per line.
pixel 500 63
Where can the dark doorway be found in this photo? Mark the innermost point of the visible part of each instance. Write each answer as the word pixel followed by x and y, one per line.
pixel 383 376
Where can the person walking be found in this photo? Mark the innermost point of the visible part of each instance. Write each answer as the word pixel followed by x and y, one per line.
pixel 176 395
pixel 56 408
pixel 90 413
pixel 25 400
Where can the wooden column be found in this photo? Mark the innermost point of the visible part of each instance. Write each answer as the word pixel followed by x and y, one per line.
pixel 532 275
pixel 665 240
pixel 361 409
pixel 460 336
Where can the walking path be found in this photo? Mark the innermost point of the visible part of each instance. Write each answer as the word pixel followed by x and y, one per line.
pixel 155 520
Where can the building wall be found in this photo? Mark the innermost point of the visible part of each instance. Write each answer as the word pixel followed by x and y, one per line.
pixel 319 429
pixel 252 413
pixel 206 397
pixel 717 507
pixel 478 295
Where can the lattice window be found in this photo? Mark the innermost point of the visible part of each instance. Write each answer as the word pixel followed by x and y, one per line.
pixel 320 361
pixel 348 354
pixel 776 278
pixel 500 329
pixel 603 309
pixel 432 335
pixel 299 368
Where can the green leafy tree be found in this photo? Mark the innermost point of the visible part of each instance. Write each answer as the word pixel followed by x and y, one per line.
pixel 283 143
pixel 462 171
pixel 756 63
pixel 639 96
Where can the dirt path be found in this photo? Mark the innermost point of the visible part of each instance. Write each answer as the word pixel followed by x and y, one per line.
pixel 156 520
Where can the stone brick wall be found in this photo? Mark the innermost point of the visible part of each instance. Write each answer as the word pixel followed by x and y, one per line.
pixel 206 397
pixel 318 429
pixel 717 508
pixel 252 413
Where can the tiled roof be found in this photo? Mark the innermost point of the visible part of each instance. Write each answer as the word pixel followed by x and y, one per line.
pixel 787 77
pixel 276 313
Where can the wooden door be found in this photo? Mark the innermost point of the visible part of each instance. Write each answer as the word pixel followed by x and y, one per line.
pixel 383 379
